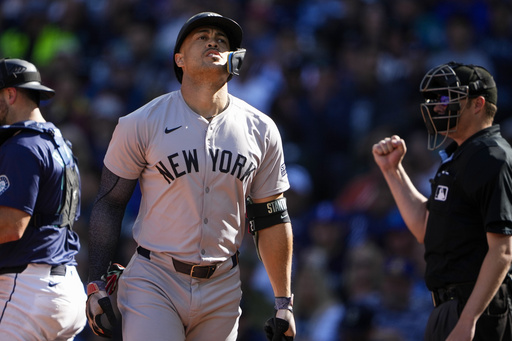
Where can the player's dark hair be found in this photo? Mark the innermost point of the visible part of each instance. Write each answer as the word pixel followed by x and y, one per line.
pixel 490 110
pixel 32 95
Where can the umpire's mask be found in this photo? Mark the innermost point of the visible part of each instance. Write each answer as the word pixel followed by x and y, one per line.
pixel 443 87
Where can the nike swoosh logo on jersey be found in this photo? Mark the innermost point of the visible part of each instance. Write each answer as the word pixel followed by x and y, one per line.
pixel 167 131
pixel 52 284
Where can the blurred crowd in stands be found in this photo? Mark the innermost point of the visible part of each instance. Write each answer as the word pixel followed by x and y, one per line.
pixel 336 76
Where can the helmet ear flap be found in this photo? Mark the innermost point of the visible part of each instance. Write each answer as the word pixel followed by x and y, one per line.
pixel 235 60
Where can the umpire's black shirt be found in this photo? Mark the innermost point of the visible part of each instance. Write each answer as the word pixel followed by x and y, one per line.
pixel 471 195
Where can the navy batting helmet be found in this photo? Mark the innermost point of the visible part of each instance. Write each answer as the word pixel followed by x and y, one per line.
pixel 229 26
pixel 19 73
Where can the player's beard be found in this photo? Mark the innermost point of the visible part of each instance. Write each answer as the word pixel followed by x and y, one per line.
pixel 4 112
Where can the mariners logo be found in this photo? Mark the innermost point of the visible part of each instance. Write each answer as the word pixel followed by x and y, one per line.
pixel 441 193
pixel 4 184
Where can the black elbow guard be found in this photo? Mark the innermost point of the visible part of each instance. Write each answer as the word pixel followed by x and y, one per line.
pixel 266 214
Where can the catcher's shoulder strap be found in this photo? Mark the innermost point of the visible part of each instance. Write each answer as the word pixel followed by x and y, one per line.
pixel 70 183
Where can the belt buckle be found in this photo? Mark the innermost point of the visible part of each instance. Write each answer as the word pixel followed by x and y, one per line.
pixel 211 269
pixel 192 271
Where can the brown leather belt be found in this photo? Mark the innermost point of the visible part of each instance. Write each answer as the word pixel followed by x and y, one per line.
pixel 196 271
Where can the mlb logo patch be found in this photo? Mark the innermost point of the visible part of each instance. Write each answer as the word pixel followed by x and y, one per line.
pixel 4 183
pixel 441 193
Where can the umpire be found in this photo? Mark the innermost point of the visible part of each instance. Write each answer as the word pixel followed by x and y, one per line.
pixel 466 223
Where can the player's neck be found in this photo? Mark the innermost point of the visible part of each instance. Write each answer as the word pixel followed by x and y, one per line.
pixel 204 101
pixel 25 115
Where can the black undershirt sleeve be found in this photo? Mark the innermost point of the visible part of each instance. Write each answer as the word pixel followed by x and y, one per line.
pixel 106 221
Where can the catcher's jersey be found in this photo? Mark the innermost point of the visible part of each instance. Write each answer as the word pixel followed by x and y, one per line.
pixel 31 172
pixel 195 175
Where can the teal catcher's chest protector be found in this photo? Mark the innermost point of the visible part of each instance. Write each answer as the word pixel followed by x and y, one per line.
pixel 70 184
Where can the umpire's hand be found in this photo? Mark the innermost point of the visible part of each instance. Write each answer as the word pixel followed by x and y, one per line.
pixel 389 152
pixel 281 327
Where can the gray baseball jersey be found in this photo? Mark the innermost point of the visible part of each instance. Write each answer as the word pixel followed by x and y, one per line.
pixel 195 175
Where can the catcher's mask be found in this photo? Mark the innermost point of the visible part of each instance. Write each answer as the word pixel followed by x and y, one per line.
pixel 443 87
pixel 230 28
pixel 19 73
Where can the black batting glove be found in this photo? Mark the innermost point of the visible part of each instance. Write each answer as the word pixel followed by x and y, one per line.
pixel 282 322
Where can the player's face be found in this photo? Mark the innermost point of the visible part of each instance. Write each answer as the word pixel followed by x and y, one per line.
pixel 205 48
pixel 464 120
pixel 441 105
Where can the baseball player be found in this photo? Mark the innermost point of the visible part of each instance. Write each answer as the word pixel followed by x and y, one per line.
pixel 203 159
pixel 466 223
pixel 41 294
